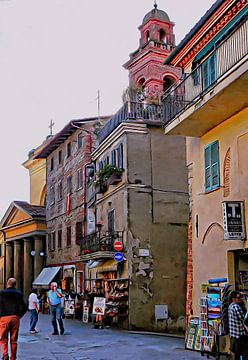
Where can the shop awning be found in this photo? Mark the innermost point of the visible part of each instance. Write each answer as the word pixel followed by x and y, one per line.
pixel 46 275
pixel 109 265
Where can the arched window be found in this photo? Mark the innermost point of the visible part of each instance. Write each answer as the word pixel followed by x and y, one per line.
pixel 162 35
pixel 147 36
pixel 167 83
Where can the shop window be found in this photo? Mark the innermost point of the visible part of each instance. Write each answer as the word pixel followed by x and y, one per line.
pixel 79 232
pixel 80 140
pixel 52 195
pixel 212 173
pixel 120 156
pixel 60 191
pixel 79 179
pixel 241 270
pixel 69 149
pixel 60 239
pixel 111 221
pixel 52 164
pixel 68 237
pixel 69 184
pixel 60 157
pixel 208 72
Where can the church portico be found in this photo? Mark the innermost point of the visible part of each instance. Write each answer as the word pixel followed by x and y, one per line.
pixel 25 233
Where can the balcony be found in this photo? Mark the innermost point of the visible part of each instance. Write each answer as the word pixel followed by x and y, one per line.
pixel 131 111
pixel 99 245
pixel 214 91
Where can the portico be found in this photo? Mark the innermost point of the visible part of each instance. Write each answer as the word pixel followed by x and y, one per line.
pixel 25 230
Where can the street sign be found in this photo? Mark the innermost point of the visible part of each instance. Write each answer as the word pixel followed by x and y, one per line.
pixel 233 219
pixel 118 245
pixel 118 256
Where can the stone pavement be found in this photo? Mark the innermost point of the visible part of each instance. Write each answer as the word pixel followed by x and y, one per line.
pixel 82 342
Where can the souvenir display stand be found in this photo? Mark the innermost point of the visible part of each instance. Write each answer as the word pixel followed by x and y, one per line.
pixel 115 291
pixel 207 334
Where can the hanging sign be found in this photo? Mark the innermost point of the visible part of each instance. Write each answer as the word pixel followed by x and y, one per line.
pixel 233 220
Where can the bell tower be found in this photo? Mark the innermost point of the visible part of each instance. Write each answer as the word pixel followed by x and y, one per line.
pixel 145 66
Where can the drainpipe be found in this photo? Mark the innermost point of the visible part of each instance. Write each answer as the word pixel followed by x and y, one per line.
pixel 4 261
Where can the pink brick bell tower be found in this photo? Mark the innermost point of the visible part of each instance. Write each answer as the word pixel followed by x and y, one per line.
pixel 146 69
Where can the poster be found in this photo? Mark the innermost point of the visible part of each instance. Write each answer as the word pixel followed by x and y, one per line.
pixel 85 314
pixel 192 333
pixel 69 309
pixel 99 306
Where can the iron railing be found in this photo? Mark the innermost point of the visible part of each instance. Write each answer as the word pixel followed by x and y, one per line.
pixel 225 56
pixel 100 241
pixel 131 110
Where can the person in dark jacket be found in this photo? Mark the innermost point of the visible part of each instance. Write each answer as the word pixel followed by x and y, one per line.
pixel 12 309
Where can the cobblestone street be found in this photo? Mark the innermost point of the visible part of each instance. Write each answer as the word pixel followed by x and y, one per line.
pixel 82 342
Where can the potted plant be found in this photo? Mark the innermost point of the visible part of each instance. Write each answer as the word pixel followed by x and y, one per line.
pixel 108 175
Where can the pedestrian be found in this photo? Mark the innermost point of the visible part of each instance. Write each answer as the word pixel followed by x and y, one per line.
pixel 54 300
pixel 33 307
pixel 12 309
pixel 236 315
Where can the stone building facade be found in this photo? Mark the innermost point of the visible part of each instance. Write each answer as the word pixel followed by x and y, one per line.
pixel 67 154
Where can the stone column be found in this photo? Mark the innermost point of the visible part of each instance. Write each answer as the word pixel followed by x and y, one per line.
pixel 28 272
pixel 18 264
pixel 38 260
pixel 8 261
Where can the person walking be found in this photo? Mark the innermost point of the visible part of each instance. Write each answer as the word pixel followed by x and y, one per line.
pixel 33 307
pixel 236 315
pixel 12 309
pixel 54 300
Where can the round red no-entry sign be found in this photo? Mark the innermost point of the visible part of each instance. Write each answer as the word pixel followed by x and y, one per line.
pixel 118 245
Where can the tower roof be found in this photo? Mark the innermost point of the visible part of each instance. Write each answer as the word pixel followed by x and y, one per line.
pixel 157 14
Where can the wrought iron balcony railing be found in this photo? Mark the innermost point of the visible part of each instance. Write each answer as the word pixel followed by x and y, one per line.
pixel 226 55
pixel 131 111
pixel 100 241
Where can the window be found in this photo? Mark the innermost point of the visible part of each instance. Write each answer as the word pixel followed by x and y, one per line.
pixel 79 232
pixel 60 239
pixel 60 157
pixel 100 165
pixel 120 156
pixel 60 191
pixel 80 140
pixel 68 237
pixel 49 242
pixel 53 241
pixel 69 184
pixel 113 158
pixel 52 164
pixel 1 254
pixel 69 149
pixel 208 72
pixel 212 173
pixel 52 195
pixel 79 178
pixel 111 221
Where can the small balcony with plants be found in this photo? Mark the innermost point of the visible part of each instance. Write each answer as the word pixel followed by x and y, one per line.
pixel 106 176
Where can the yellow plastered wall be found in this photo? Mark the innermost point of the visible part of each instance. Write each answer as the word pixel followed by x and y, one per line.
pixel 210 251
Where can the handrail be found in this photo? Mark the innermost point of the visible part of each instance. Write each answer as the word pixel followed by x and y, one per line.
pixel 218 63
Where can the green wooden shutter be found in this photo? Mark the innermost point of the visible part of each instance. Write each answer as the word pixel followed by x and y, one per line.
pixel 211 166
